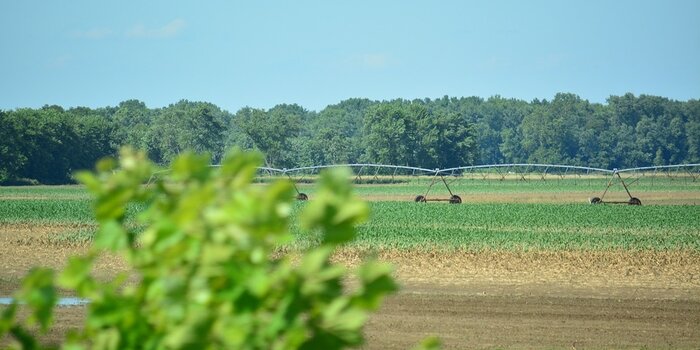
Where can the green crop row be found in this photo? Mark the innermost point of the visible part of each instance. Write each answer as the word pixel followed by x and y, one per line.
pixel 400 225
pixel 47 211
pixel 409 225
pixel 44 192
pixel 555 216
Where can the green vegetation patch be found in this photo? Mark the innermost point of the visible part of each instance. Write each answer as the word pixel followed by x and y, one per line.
pixel 46 211
pixel 402 225
pixel 44 192
pixel 409 225
pixel 51 211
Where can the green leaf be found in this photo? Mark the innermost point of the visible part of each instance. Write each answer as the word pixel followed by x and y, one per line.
pixel 111 236
pixel 376 282
pixel 335 211
pixel 106 165
pixel 39 293
pixel 7 319
pixel 89 180
pixel 25 338
pixel 76 272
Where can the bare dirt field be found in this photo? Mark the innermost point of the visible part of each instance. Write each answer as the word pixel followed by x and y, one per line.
pixel 489 299
pixel 544 300
pixel 23 246
pixel 512 315
pixel 529 316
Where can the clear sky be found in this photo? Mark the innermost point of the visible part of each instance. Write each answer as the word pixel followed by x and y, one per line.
pixel 316 53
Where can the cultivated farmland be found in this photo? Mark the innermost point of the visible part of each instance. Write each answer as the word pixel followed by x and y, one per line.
pixel 518 264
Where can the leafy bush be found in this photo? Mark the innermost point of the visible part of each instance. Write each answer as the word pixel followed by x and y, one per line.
pixel 203 252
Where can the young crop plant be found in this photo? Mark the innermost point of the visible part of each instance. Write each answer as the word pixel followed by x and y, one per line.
pixel 204 253
pixel 525 226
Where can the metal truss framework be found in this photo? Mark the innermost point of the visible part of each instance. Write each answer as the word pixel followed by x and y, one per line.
pixel 501 170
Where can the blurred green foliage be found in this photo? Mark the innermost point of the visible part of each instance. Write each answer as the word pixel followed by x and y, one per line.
pixel 204 255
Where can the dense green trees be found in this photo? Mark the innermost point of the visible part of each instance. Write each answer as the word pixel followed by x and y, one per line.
pixel 132 121
pixel 333 136
pixel 49 143
pixel 188 126
pixel 272 131
pixel 407 133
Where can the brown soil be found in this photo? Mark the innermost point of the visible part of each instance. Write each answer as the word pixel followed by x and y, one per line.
pixel 488 299
pixel 516 316
pixel 24 246
pixel 542 300
pixel 476 317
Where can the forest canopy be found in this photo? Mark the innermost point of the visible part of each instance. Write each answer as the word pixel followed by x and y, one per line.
pixel 47 145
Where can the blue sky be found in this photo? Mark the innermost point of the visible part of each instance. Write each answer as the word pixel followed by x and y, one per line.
pixel 316 53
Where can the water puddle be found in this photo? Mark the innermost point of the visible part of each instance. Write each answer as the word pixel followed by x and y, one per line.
pixel 65 301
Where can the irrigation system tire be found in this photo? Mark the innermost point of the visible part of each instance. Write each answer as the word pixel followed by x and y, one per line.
pixel 596 200
pixel 302 196
pixel 455 199
pixel 634 201
pixel 420 198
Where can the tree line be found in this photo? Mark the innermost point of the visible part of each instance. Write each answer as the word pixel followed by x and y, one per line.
pixel 46 145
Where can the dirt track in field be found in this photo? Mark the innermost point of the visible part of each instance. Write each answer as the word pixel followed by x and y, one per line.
pixel 647 198
pixel 489 299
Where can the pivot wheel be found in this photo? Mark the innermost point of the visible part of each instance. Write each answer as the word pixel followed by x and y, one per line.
pixel 455 199
pixel 302 196
pixel 595 200
pixel 420 198
pixel 634 201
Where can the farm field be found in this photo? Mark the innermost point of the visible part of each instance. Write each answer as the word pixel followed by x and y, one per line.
pixel 510 188
pixel 520 264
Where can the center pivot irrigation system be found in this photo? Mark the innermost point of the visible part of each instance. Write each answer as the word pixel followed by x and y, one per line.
pixel 381 173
